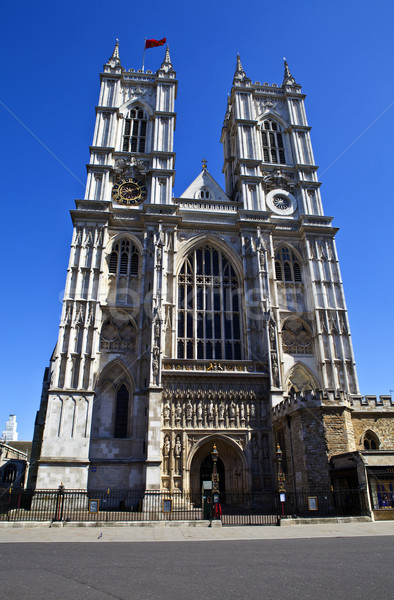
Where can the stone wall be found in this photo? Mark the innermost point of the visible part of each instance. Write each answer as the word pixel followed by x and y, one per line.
pixel 311 429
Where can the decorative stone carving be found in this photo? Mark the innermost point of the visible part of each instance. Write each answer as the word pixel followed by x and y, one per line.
pixel 166 412
pixel 177 454
pixel 178 412
pixel 189 411
pixel 277 179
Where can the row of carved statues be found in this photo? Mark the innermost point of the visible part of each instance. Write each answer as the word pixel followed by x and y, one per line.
pixel 202 413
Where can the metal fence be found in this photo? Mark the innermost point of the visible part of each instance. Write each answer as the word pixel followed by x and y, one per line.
pixel 125 505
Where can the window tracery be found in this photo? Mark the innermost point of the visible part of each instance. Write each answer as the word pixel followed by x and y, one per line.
pixel 117 334
pixel 287 268
pixel 272 139
pixel 134 138
pixel 209 322
pixel 371 441
pixel 296 339
pixel 124 259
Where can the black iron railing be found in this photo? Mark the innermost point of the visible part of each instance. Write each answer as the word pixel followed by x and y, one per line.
pixel 127 505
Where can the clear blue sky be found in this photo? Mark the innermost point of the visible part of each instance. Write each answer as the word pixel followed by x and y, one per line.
pixel 340 51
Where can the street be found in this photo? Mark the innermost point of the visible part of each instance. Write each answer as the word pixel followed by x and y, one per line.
pixel 344 567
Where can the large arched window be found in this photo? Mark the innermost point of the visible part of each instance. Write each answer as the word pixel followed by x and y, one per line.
pixel 273 146
pixel 209 322
pixel 134 138
pixel 124 259
pixel 287 268
pixel 121 412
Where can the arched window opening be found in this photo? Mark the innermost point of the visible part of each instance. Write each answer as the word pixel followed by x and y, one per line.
pixel 134 138
pixel 272 138
pixel 209 319
pixel 122 412
pixel 287 268
pixel 371 441
pixel 204 193
pixel 124 259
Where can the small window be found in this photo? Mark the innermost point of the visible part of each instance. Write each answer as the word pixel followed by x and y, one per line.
pixel 371 441
pixel 287 267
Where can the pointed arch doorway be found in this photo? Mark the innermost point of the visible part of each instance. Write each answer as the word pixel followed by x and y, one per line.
pixel 232 465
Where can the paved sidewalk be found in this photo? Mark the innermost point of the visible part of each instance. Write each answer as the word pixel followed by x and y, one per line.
pixel 181 533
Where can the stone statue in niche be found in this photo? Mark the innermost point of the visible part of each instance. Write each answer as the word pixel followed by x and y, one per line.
pixel 166 446
pixel 178 411
pixel 221 411
pixel 199 411
pixel 189 411
pixel 155 361
pixel 177 453
pixel 166 411
pixel 166 454
pixel 242 412
pixel 232 410
pixel 272 335
pixel 210 411
pixel 252 411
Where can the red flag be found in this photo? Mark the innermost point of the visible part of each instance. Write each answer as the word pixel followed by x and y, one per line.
pixel 154 43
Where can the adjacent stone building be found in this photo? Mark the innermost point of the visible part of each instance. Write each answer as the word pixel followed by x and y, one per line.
pixel 216 317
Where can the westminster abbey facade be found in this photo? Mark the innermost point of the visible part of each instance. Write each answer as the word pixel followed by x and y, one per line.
pixel 214 318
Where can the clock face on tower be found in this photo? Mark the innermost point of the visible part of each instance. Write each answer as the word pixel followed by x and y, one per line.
pixel 129 191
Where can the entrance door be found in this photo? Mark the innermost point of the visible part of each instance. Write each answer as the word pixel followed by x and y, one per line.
pixel 206 472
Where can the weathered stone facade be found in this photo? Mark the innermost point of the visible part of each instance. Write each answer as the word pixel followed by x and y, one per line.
pixel 186 320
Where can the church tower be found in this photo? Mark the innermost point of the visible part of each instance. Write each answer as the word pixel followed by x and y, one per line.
pixel 186 320
pixel 270 171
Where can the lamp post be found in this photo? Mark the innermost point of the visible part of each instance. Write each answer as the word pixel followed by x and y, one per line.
pixel 280 479
pixel 215 483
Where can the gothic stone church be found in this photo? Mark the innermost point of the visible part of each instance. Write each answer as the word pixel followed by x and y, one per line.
pixel 216 317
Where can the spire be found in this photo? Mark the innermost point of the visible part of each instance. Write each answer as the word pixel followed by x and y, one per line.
pixel 239 70
pixel 288 78
pixel 166 65
pixel 115 53
pixel 114 61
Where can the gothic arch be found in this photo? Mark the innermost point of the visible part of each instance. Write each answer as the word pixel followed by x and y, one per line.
pixel 369 440
pixel 123 236
pixel 300 379
pixel 236 471
pixel 289 245
pixel 216 241
pixel 129 104
pixel 115 378
pixel 125 374
pixel 272 114
pixel 215 437
pixel 209 302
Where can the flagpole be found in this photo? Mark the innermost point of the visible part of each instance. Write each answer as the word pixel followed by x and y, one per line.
pixel 143 57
